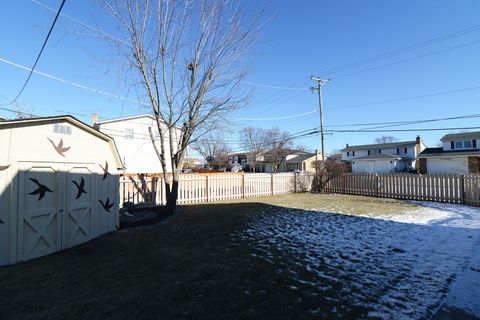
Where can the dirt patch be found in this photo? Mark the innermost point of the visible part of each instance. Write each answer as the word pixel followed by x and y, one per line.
pixel 136 217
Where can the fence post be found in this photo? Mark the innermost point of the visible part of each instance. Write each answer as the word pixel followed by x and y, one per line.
pixel 294 182
pixel 207 193
pixel 376 185
pixel 243 186
pixel 462 188
pixel 272 184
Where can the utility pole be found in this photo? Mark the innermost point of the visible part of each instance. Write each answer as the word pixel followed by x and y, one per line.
pixel 320 83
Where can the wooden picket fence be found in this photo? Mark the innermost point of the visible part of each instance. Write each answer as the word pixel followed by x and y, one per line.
pixel 441 188
pixel 195 188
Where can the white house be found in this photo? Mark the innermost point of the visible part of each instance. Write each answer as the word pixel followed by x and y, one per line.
pixel 459 154
pixel 59 186
pixel 134 144
pixel 384 157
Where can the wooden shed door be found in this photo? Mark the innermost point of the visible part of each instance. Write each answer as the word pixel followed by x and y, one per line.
pixel 79 214
pixel 39 210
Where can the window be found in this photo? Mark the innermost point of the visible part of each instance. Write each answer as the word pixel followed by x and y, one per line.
pixel 62 129
pixel 348 154
pixel 398 151
pixel 129 134
pixel 466 144
pixel 368 152
pixel 353 153
pixel 405 151
pixel 452 145
pixel 379 150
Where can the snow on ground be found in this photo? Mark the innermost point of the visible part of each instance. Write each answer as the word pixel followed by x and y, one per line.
pixel 391 266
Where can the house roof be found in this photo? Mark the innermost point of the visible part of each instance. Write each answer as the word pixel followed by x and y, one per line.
pixel 380 156
pixel 139 116
pixel 336 156
pixel 463 135
pixel 300 158
pixel 435 152
pixel 126 118
pixel 8 124
pixel 400 144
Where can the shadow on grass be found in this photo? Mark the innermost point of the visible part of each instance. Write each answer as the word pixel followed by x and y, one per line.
pixel 242 260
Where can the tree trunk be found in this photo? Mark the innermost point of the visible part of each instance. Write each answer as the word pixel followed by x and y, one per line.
pixel 172 192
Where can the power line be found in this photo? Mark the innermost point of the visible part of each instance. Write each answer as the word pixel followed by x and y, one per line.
pixel 406 98
pixel 273 87
pixel 97 91
pixel 280 117
pixel 405 130
pixel 39 55
pixel 401 50
pixel 81 23
pixel 123 42
pixel 406 60
pixel 425 121
pixel 399 123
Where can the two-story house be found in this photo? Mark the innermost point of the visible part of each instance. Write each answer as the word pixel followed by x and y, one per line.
pixel 384 157
pixel 134 144
pixel 459 154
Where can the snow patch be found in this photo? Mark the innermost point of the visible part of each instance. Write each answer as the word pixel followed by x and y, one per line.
pixel 395 266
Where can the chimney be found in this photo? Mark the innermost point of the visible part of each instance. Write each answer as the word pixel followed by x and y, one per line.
pixel 347 145
pixel 418 139
pixel 94 119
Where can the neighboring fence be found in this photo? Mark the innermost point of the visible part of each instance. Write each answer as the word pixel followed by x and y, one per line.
pixel 441 188
pixel 212 187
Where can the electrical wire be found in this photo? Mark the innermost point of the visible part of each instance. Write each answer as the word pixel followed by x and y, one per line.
pixel 38 56
pixel 406 98
pixel 389 54
pixel 97 91
pixel 406 60
pixel 403 130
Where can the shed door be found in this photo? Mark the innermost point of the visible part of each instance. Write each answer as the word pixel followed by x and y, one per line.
pixel 39 210
pixel 79 214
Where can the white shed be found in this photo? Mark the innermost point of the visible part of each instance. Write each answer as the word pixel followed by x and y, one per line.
pixel 59 186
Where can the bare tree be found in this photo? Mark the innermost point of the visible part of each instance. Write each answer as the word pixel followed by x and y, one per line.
pixel 213 149
pixel 326 171
pixel 184 58
pixel 278 145
pixel 385 139
pixel 254 141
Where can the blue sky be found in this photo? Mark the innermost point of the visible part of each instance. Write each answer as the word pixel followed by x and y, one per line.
pixel 305 38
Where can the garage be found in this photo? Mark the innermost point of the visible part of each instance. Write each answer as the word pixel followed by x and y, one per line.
pixel 373 166
pixel 447 166
pixel 58 186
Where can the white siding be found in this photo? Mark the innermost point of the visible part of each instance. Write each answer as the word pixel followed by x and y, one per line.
pixel 411 152
pixel 373 166
pixel 138 155
pixel 447 166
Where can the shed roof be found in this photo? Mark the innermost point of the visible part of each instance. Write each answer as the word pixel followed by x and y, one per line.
pixel 463 135
pixel 9 124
